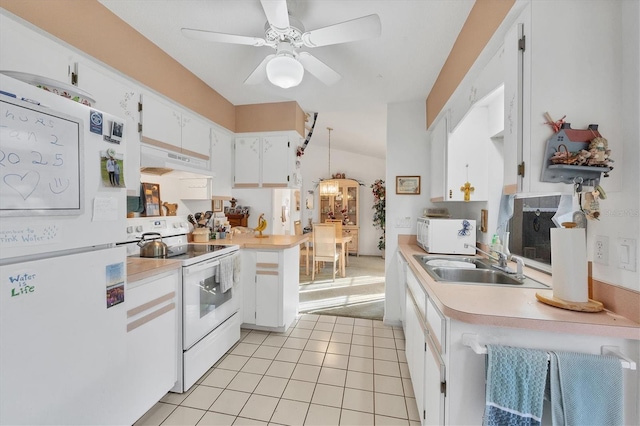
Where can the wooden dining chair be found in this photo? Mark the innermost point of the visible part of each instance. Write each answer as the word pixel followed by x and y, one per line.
pixel 324 248
pixel 304 254
pixel 337 223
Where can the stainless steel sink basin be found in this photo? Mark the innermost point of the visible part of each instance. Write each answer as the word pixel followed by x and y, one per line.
pixel 486 276
pixel 452 262
pixel 456 270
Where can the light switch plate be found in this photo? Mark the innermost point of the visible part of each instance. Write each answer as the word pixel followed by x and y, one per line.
pixel 627 252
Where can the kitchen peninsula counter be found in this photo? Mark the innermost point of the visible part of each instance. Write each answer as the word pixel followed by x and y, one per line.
pixel 513 307
pixel 269 242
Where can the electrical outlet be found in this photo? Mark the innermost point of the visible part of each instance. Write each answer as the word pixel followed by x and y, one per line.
pixel 403 222
pixel 601 250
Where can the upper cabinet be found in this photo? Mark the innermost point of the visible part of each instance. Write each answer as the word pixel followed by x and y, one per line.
pixel 25 50
pixel 460 158
pixel 540 77
pixel 266 160
pixel 439 136
pixel 167 126
pixel 117 96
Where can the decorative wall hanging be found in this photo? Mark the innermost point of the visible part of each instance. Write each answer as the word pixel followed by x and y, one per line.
pixel 408 185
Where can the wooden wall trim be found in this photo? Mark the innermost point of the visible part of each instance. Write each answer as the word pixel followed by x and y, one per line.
pixel 484 19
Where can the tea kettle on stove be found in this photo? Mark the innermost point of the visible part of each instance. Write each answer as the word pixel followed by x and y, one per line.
pixel 152 248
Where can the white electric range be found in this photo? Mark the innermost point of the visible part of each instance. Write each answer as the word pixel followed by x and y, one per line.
pixel 208 302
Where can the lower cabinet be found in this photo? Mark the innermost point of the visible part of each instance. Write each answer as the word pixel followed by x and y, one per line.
pixel 449 378
pixel 270 288
pixel 152 343
pixel 423 352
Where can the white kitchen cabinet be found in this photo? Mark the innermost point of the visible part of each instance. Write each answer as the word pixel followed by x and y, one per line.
pixel 152 341
pixel 221 164
pixel 424 352
pixel 27 51
pixel 270 288
pixel 415 350
pixel 166 125
pixel 447 375
pixel 541 77
pixel 266 160
pixel 117 96
pixel 439 135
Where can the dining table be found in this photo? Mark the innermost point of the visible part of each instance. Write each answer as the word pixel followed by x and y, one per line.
pixel 343 241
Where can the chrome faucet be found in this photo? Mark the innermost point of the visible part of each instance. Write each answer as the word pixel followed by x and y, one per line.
pixel 519 265
pixel 502 261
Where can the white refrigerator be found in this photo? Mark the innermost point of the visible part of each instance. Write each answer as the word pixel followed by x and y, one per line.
pixel 62 278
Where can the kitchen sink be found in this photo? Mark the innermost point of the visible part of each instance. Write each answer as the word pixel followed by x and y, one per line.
pixel 469 270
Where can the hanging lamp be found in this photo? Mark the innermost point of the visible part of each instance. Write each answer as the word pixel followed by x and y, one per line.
pixel 329 187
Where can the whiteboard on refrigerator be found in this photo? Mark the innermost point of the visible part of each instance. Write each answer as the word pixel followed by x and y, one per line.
pixel 41 160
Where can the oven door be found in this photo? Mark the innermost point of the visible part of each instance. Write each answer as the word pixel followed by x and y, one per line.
pixel 205 305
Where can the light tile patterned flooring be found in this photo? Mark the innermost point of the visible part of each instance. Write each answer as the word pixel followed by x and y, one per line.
pixel 323 370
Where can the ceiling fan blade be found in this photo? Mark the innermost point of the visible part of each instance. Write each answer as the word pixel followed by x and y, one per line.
pixel 222 37
pixel 318 69
pixel 277 13
pixel 260 73
pixel 357 29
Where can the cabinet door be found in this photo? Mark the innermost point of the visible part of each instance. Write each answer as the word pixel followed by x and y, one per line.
pixel 434 376
pixel 439 136
pixel 221 155
pixel 267 298
pixel 161 123
pixel 467 157
pixel 27 51
pixel 247 162
pixel 353 245
pixel 152 341
pixel 513 73
pixel 415 350
pixel 117 97
pixel 196 137
pixel 276 161
pixel 350 202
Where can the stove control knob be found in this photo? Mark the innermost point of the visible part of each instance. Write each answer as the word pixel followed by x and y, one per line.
pixel 176 225
pixel 183 224
pixel 139 228
pixel 129 229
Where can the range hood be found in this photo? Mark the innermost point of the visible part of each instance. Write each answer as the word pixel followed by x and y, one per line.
pixel 158 161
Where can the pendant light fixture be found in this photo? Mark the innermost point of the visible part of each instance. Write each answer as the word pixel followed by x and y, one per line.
pixel 329 186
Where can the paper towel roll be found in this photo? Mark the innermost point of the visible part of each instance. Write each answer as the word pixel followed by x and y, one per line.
pixel 569 264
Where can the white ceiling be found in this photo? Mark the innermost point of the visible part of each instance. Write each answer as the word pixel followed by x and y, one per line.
pixel 401 65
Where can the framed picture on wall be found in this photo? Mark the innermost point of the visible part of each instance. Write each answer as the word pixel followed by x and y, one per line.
pixel 408 185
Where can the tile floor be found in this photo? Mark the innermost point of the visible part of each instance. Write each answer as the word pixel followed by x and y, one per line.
pixel 324 370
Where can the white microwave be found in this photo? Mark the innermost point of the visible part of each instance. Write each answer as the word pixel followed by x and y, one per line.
pixel 447 236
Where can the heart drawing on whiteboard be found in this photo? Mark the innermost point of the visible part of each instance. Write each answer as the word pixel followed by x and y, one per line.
pixel 23 184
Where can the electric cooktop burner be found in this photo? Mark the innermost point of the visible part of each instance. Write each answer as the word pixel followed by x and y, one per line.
pixel 188 251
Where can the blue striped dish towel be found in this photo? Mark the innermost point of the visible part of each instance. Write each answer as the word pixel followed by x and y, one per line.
pixel 586 389
pixel 516 379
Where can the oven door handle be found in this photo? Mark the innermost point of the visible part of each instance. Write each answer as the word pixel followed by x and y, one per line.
pixel 201 266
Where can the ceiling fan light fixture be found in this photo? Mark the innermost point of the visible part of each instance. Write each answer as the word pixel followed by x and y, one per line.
pixel 285 71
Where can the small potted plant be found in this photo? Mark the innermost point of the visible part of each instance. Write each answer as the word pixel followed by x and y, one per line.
pixel 379 203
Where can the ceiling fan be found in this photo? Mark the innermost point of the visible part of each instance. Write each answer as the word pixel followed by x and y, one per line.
pixel 286 34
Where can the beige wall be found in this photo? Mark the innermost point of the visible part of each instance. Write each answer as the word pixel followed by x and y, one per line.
pixel 77 22
pixel 482 22
pixel 270 117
